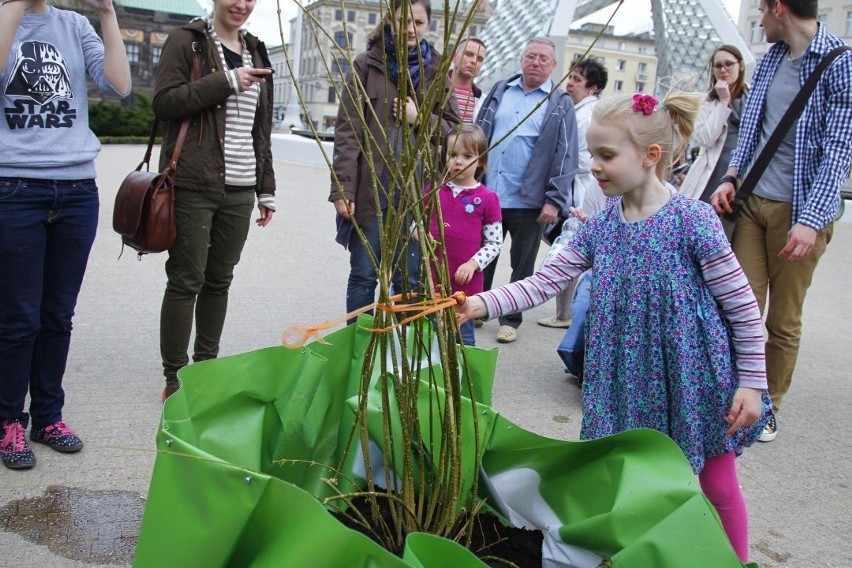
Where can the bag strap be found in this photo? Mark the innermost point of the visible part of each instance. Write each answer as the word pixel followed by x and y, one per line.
pixel 194 75
pixel 796 107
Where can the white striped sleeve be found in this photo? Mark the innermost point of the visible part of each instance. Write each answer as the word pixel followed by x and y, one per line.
pixel 233 80
pixel 550 279
pixel 728 284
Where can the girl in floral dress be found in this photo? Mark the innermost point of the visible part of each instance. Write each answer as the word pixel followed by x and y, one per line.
pixel 673 336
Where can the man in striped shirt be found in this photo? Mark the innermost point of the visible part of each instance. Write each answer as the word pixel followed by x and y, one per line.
pixel 785 226
pixel 470 54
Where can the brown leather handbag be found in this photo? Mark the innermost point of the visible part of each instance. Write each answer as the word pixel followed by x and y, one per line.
pixel 144 212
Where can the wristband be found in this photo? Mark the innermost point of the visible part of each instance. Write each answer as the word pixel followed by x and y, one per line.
pixel 730 179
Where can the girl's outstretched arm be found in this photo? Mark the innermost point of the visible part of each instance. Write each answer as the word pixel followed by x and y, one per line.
pixel 553 277
pixel 472 308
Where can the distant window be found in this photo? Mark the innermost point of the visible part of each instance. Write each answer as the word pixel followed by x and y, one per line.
pixel 433 25
pixel 332 95
pixel 618 86
pixel 640 87
pixel 643 49
pixel 156 51
pixel 473 30
pixel 823 18
pixel 338 15
pixel 754 32
pixel 643 67
pixel 342 39
pixel 340 65
pixel 132 51
pixel 848 24
pixel 371 18
pixel 350 16
pixel 622 45
pixel 621 64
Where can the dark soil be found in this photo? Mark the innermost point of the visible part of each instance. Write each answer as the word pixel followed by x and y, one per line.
pixel 493 542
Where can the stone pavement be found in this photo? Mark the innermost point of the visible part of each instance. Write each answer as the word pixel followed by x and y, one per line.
pixel 83 509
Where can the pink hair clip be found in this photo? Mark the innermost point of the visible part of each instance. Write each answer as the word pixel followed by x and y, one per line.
pixel 644 104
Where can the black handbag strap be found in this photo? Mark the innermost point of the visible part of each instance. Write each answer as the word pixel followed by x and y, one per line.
pixel 792 114
pixel 194 75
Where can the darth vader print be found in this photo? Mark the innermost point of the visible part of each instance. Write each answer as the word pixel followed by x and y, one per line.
pixel 39 73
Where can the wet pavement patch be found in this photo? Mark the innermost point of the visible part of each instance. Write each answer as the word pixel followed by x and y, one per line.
pixel 88 526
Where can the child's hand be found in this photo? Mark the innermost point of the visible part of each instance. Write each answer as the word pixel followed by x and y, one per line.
pixel 473 307
pixel 466 271
pixel 745 409
pixel 579 214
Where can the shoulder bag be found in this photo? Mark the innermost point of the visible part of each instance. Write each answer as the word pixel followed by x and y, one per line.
pixel 745 189
pixel 144 212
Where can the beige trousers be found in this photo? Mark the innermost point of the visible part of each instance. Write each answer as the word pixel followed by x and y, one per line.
pixel 780 286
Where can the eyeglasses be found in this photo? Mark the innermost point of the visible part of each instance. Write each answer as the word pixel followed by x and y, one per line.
pixel 727 65
pixel 540 58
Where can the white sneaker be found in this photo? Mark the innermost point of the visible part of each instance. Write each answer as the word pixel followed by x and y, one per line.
pixel 769 431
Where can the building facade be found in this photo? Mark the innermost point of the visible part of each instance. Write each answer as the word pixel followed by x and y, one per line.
pixel 630 59
pixel 334 32
pixel 835 15
pixel 144 25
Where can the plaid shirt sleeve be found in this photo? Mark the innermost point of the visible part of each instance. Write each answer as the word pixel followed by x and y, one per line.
pixel 823 133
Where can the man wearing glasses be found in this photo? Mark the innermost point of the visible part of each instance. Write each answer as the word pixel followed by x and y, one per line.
pixel 531 126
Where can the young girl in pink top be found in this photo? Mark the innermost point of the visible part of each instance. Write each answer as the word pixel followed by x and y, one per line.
pixel 673 338
pixel 472 231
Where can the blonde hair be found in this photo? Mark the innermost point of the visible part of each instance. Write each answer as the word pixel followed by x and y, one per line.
pixel 471 137
pixel 669 126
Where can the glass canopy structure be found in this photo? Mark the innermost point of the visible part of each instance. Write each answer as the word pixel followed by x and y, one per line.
pixel 685 33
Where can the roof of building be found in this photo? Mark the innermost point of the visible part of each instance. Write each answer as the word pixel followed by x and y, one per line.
pixel 184 7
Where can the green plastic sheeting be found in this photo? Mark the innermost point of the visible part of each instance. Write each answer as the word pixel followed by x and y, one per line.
pixel 220 497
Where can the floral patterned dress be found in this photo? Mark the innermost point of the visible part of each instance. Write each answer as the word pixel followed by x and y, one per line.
pixel 658 350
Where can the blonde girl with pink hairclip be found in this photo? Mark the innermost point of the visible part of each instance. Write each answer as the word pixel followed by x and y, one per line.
pixel 673 336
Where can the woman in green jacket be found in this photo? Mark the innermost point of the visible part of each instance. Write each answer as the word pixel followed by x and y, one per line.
pixel 225 164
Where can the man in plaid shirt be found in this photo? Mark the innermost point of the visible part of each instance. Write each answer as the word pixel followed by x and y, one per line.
pixel 786 225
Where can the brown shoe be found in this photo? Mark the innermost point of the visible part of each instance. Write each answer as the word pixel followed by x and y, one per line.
pixel 507 334
pixel 169 391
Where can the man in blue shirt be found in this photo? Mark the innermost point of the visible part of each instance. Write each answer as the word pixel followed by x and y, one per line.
pixel 786 225
pixel 530 125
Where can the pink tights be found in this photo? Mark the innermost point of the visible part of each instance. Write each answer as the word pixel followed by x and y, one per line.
pixel 719 482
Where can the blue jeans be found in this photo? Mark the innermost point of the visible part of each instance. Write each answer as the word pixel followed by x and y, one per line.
pixel 468 333
pixel 572 349
pixel 361 287
pixel 46 232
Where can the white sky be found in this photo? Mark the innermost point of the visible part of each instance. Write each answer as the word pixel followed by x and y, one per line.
pixel 633 15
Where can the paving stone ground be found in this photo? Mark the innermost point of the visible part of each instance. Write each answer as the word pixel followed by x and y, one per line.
pixel 798 488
